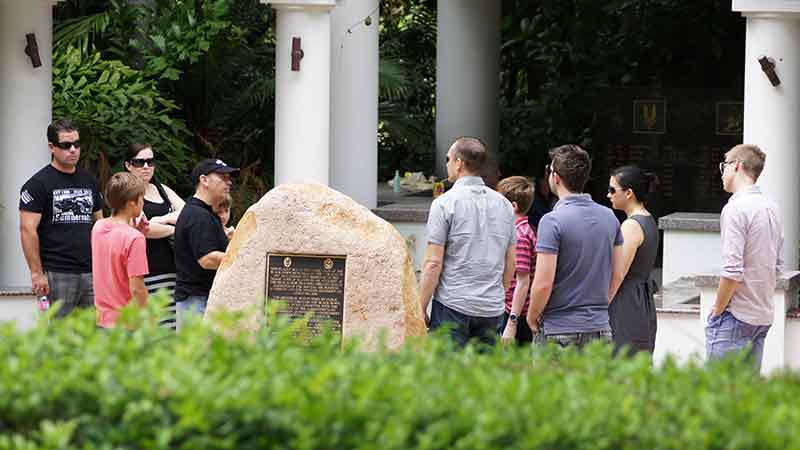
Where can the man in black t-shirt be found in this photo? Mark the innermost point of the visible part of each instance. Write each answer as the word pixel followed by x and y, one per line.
pixel 200 239
pixel 57 207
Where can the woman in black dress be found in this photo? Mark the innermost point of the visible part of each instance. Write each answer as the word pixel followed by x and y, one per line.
pixel 161 206
pixel 632 311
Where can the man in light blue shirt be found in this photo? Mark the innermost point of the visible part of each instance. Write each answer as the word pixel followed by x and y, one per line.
pixel 579 263
pixel 471 248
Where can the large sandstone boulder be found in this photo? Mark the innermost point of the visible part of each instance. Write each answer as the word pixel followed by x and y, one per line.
pixel 380 289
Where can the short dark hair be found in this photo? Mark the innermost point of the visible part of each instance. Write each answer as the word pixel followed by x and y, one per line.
pixel 134 150
pixel 59 126
pixel 472 152
pixel 519 190
pixel 636 179
pixel 122 188
pixel 572 164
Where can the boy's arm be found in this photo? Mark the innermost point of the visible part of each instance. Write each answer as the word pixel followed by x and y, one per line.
pixel 138 290
pixel 517 303
pixel 510 266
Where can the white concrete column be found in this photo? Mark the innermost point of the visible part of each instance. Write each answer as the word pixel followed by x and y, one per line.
pixel 354 100
pixel 302 98
pixel 467 73
pixel 771 114
pixel 25 112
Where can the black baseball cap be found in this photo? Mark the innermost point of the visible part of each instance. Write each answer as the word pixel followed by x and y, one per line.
pixel 209 165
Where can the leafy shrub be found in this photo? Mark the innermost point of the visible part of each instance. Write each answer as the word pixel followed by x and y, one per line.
pixel 115 106
pixel 68 385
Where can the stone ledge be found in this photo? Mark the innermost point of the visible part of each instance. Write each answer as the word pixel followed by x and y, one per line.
pixel 787 281
pixel 401 213
pixel 693 310
pixel 686 221
pixel 16 291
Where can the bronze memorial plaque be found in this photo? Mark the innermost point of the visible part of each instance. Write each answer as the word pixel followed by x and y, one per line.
pixel 308 284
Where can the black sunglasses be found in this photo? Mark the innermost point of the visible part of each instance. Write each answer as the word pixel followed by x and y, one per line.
pixel 68 145
pixel 612 190
pixel 140 162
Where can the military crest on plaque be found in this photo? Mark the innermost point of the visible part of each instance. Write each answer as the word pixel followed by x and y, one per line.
pixel 649 116
pixel 730 118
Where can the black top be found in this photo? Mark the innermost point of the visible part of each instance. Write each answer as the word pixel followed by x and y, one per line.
pixel 160 257
pixel 198 232
pixel 66 202
pixel 645 258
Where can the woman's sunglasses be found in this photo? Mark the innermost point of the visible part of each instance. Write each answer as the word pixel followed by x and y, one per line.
pixel 140 162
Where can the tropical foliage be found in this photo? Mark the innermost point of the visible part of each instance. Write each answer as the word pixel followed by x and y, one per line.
pixel 115 106
pixel 214 59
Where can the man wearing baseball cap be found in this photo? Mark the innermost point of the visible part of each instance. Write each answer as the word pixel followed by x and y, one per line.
pixel 200 239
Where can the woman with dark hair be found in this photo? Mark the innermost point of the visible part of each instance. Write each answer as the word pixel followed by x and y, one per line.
pixel 162 207
pixel 632 312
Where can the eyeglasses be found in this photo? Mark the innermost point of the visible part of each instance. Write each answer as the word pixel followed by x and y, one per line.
pixel 612 190
pixel 140 162
pixel 68 145
pixel 725 163
pixel 548 169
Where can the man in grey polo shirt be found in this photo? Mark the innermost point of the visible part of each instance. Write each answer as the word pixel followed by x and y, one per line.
pixel 471 248
pixel 579 258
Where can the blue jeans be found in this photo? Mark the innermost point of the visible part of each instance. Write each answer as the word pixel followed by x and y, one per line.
pixel 725 334
pixel 464 327
pixel 191 305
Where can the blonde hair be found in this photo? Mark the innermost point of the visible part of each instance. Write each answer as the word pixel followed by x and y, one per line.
pixel 751 157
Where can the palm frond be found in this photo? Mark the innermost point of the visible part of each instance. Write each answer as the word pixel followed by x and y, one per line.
pixel 80 31
pixel 393 81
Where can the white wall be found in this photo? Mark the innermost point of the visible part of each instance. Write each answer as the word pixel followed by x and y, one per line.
pixel 688 253
pixel 22 309
pixel 25 112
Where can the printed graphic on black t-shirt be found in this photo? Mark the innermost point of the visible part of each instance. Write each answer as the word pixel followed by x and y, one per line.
pixel 73 205
pixel 67 203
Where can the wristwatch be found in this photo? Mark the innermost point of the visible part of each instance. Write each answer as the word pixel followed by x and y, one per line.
pixel 513 318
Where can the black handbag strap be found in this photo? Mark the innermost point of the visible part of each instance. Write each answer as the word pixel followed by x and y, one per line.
pixel 163 194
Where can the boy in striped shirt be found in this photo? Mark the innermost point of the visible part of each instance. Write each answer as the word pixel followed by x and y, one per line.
pixel 519 191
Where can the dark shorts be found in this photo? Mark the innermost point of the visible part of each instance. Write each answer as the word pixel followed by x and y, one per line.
pixel 70 291
pixel 464 327
pixel 524 334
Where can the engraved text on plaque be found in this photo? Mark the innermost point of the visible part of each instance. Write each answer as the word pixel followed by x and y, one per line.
pixel 308 284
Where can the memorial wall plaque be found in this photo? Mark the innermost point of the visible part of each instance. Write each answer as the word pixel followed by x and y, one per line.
pixel 308 284
pixel 679 134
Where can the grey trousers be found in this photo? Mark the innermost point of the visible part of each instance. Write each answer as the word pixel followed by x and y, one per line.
pixel 70 290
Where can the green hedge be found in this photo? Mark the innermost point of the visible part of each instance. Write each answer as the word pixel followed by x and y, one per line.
pixel 67 385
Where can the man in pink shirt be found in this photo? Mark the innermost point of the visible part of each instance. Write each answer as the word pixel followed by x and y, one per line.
pixel 119 252
pixel 752 248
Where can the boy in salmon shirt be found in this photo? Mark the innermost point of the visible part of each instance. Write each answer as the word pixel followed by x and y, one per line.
pixel 519 191
pixel 119 255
